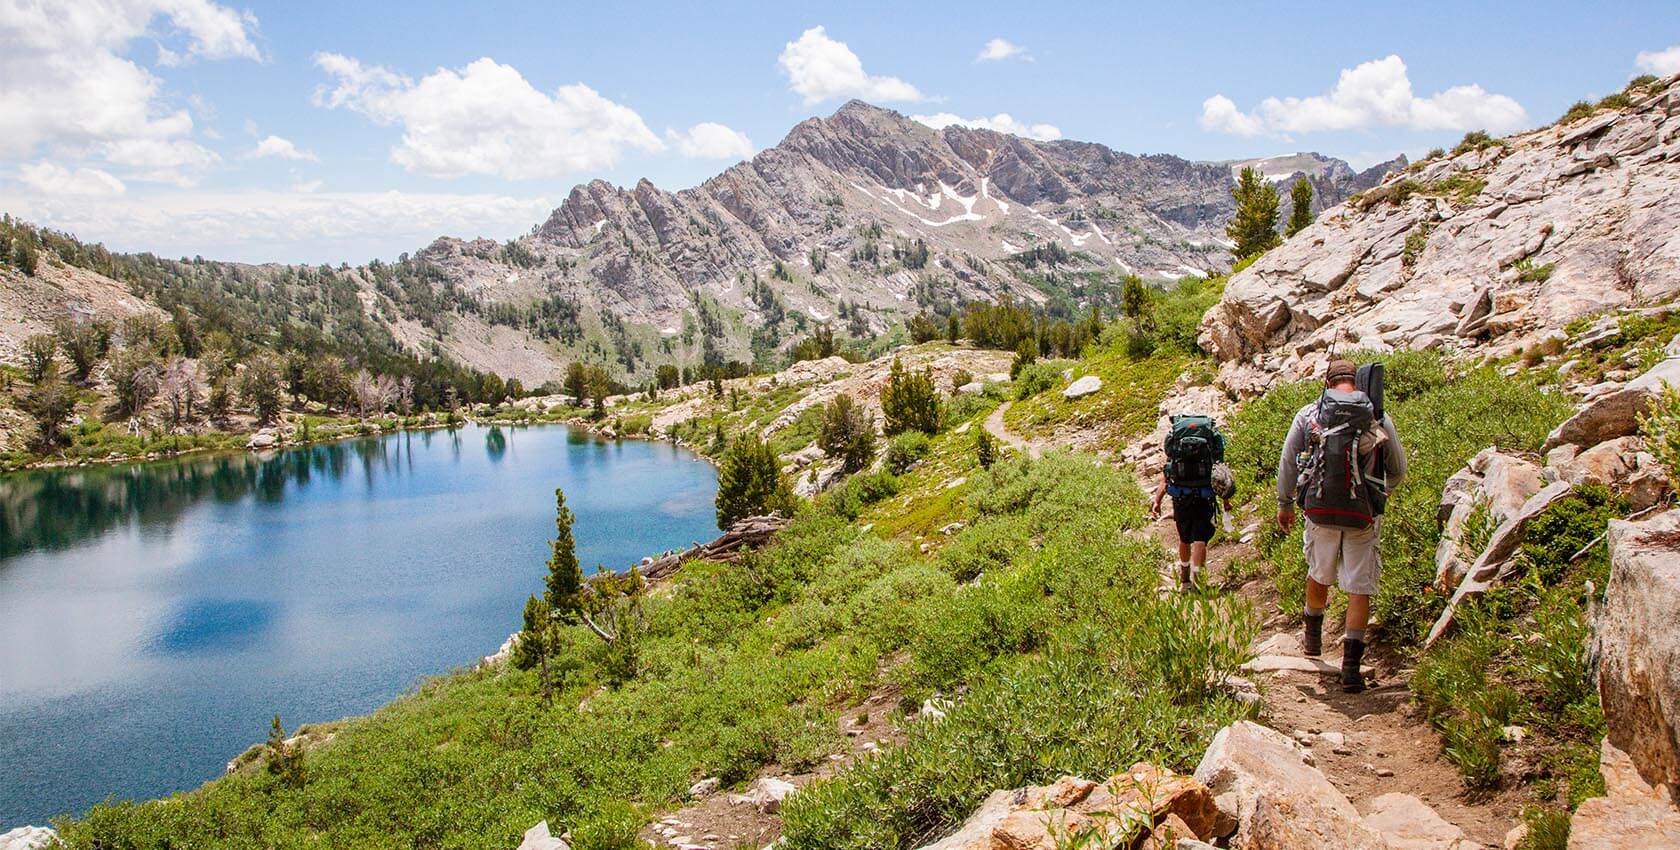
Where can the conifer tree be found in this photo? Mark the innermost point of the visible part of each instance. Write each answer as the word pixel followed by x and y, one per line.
pixel 750 482
pixel 847 433
pixel 564 582
pixel 909 401
pixel 1254 227
pixel 1300 211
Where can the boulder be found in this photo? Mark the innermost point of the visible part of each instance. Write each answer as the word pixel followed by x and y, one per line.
pixel 1631 814
pixel 1636 638
pixel 1490 565
pixel 704 788
pixel 1408 823
pixel 766 794
pixel 1275 800
pixel 1083 387
pixel 1621 464
pixel 538 838
pixel 264 439
pixel 1144 807
pixel 28 838
pixel 1501 482
pixel 1613 413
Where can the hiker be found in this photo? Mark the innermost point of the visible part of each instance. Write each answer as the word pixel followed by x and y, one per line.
pixel 1195 476
pixel 1340 461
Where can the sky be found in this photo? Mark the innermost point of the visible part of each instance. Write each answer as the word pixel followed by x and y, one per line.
pixel 341 132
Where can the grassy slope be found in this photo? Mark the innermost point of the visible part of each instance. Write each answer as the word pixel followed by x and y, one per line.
pixel 750 665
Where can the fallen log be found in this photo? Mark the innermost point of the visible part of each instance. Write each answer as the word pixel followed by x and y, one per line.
pixel 748 533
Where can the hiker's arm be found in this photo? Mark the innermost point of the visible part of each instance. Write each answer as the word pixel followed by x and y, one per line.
pixel 1288 471
pixel 1394 458
pixel 1160 491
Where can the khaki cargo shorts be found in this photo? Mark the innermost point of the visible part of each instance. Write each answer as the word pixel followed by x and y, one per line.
pixel 1343 556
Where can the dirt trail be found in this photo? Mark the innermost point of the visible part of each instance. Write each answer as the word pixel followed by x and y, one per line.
pixel 994 425
pixel 1368 744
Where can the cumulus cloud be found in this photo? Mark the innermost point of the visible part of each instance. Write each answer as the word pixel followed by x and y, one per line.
pixel 66 85
pixel 1373 94
pixel 711 140
pixel 1660 62
pixel 485 118
pixel 999 49
pixel 280 148
pixel 300 226
pixel 53 179
pixel 819 68
pixel 1002 122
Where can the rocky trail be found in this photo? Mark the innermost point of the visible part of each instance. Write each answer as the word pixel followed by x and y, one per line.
pixel 1368 745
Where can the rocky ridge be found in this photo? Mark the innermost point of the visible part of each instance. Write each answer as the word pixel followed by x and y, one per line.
pixel 1493 249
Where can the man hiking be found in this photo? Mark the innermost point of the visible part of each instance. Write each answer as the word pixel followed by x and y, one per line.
pixel 1194 475
pixel 1340 461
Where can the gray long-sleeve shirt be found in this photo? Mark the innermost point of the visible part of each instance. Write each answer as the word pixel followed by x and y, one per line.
pixel 1289 471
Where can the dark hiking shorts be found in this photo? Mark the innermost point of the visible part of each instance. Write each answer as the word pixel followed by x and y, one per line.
pixel 1194 517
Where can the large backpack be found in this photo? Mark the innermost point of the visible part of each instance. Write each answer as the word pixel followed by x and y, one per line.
pixel 1336 484
pixel 1194 445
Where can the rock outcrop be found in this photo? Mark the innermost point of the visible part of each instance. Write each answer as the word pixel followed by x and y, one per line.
pixel 1494 248
pixel 1637 644
pixel 28 838
pixel 1631 813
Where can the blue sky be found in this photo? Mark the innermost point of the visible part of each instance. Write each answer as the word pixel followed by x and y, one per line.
pixel 326 132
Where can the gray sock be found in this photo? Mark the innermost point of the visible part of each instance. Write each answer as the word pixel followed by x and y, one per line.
pixel 1354 634
pixel 1310 611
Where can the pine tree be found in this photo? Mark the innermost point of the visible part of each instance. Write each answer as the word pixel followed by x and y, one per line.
pixel 909 401
pixel 847 433
pixel 1254 228
pixel 564 582
pixel 750 482
pixel 285 759
pixel 985 448
pixel 953 328
pixel 1300 211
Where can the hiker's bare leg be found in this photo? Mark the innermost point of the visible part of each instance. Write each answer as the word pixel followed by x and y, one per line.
pixel 1358 612
pixel 1198 554
pixel 1184 550
pixel 1318 596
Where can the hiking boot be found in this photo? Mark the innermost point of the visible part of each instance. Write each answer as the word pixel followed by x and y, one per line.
pixel 1353 657
pixel 1312 638
pixel 1185 580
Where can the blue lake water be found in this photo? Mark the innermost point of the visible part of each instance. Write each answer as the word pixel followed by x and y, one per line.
pixel 154 617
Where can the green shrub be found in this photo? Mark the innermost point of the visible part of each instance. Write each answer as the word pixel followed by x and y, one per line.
pixel 904 450
pixel 1476 140
pixel 1529 272
pixel 987 546
pixel 1576 111
pixel 1661 427
pixel 1035 378
pixel 909 401
pixel 858 492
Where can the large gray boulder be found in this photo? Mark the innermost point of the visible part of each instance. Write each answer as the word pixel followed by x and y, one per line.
pixel 1499 482
pixel 27 838
pixel 1637 642
pixel 1615 413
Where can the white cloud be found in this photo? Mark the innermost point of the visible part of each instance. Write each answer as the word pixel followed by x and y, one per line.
pixel 1221 115
pixel 1373 94
pixel 1660 62
pixel 819 68
pixel 306 186
pixel 710 140
pixel 999 49
pixel 66 85
pixel 280 148
pixel 277 226
pixel 486 118
pixel 53 179
pixel 1002 122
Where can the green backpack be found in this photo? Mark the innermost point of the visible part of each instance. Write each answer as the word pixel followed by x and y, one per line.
pixel 1194 445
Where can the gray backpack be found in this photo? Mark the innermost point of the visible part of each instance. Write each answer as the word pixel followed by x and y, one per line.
pixel 1337 487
